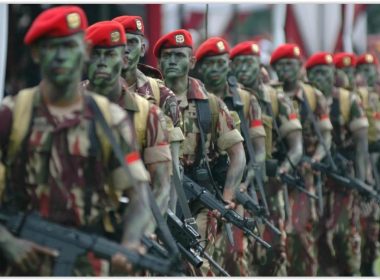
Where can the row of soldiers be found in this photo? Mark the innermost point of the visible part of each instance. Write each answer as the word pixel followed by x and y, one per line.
pixel 232 131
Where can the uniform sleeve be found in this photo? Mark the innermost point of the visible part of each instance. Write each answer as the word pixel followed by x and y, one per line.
pixel 256 128
pixel 157 148
pixel 358 119
pixel 124 132
pixel 288 120
pixel 226 133
pixel 168 103
pixel 322 111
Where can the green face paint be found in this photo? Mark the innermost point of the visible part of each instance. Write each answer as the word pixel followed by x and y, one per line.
pixel 132 51
pixel 105 66
pixel 287 69
pixel 246 68
pixel 214 70
pixel 323 77
pixel 350 72
pixel 369 73
pixel 62 59
pixel 175 62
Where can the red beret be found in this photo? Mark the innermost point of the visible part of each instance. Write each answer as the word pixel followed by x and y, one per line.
pixel 344 59
pixel 285 51
pixel 366 58
pixel 319 58
pixel 131 24
pixel 211 47
pixel 175 39
pixel 59 21
pixel 245 48
pixel 106 34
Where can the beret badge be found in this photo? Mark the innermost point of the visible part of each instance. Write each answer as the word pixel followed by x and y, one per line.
pixel 73 20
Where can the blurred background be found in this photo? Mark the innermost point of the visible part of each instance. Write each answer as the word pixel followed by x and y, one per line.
pixel 314 27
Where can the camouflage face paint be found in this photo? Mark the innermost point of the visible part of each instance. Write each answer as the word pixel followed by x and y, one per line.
pixel 350 72
pixel 322 76
pixel 369 72
pixel 287 69
pixel 105 66
pixel 62 59
pixel 214 70
pixel 175 62
pixel 246 68
pixel 133 51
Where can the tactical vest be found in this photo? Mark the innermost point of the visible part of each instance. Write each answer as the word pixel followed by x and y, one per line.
pixel 155 89
pixel 22 115
pixel 245 99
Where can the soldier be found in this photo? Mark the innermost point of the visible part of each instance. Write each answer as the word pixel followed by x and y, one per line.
pixel 345 62
pixel 152 89
pixel 175 55
pixel 57 162
pixel 276 107
pixel 108 41
pixel 366 67
pixel 301 245
pixel 340 241
pixel 213 65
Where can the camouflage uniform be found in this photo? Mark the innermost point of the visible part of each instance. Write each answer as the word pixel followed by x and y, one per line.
pixel 167 102
pixel 235 258
pixel 275 104
pixel 60 161
pixel 225 137
pixel 339 245
pixel 370 211
pixel 301 227
pixel 152 137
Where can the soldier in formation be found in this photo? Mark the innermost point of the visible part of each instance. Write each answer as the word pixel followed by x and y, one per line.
pixel 233 132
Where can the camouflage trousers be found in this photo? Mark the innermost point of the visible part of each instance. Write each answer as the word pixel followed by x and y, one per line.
pixel 272 262
pixel 339 242
pixel 207 228
pixel 370 227
pixel 233 258
pixel 301 247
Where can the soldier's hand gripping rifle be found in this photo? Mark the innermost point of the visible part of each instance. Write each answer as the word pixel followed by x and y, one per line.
pixel 252 205
pixel 188 241
pixel 71 243
pixel 346 180
pixel 197 192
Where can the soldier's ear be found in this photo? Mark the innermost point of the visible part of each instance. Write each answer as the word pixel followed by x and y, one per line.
pixel 143 47
pixel 193 60
pixel 87 51
pixel 35 53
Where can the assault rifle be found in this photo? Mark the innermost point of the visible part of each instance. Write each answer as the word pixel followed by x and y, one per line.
pixel 71 243
pixel 346 180
pixel 189 244
pixel 296 183
pixel 197 192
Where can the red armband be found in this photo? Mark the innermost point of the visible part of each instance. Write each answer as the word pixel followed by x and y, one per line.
pixel 131 157
pixel 256 123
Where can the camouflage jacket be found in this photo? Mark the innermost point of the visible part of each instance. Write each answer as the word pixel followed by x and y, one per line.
pixel 168 102
pixel 226 135
pixel 60 160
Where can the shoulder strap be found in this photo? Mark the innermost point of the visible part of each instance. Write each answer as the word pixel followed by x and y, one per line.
pixel 214 107
pixel 104 106
pixel 22 114
pixel 310 95
pixel 363 94
pixel 345 104
pixel 245 98
pixel 140 119
pixel 274 100
pixel 156 89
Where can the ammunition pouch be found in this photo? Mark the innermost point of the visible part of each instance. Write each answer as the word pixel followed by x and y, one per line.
pixel 219 170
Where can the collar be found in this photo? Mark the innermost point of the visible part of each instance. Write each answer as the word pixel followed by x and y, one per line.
pixel 196 90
